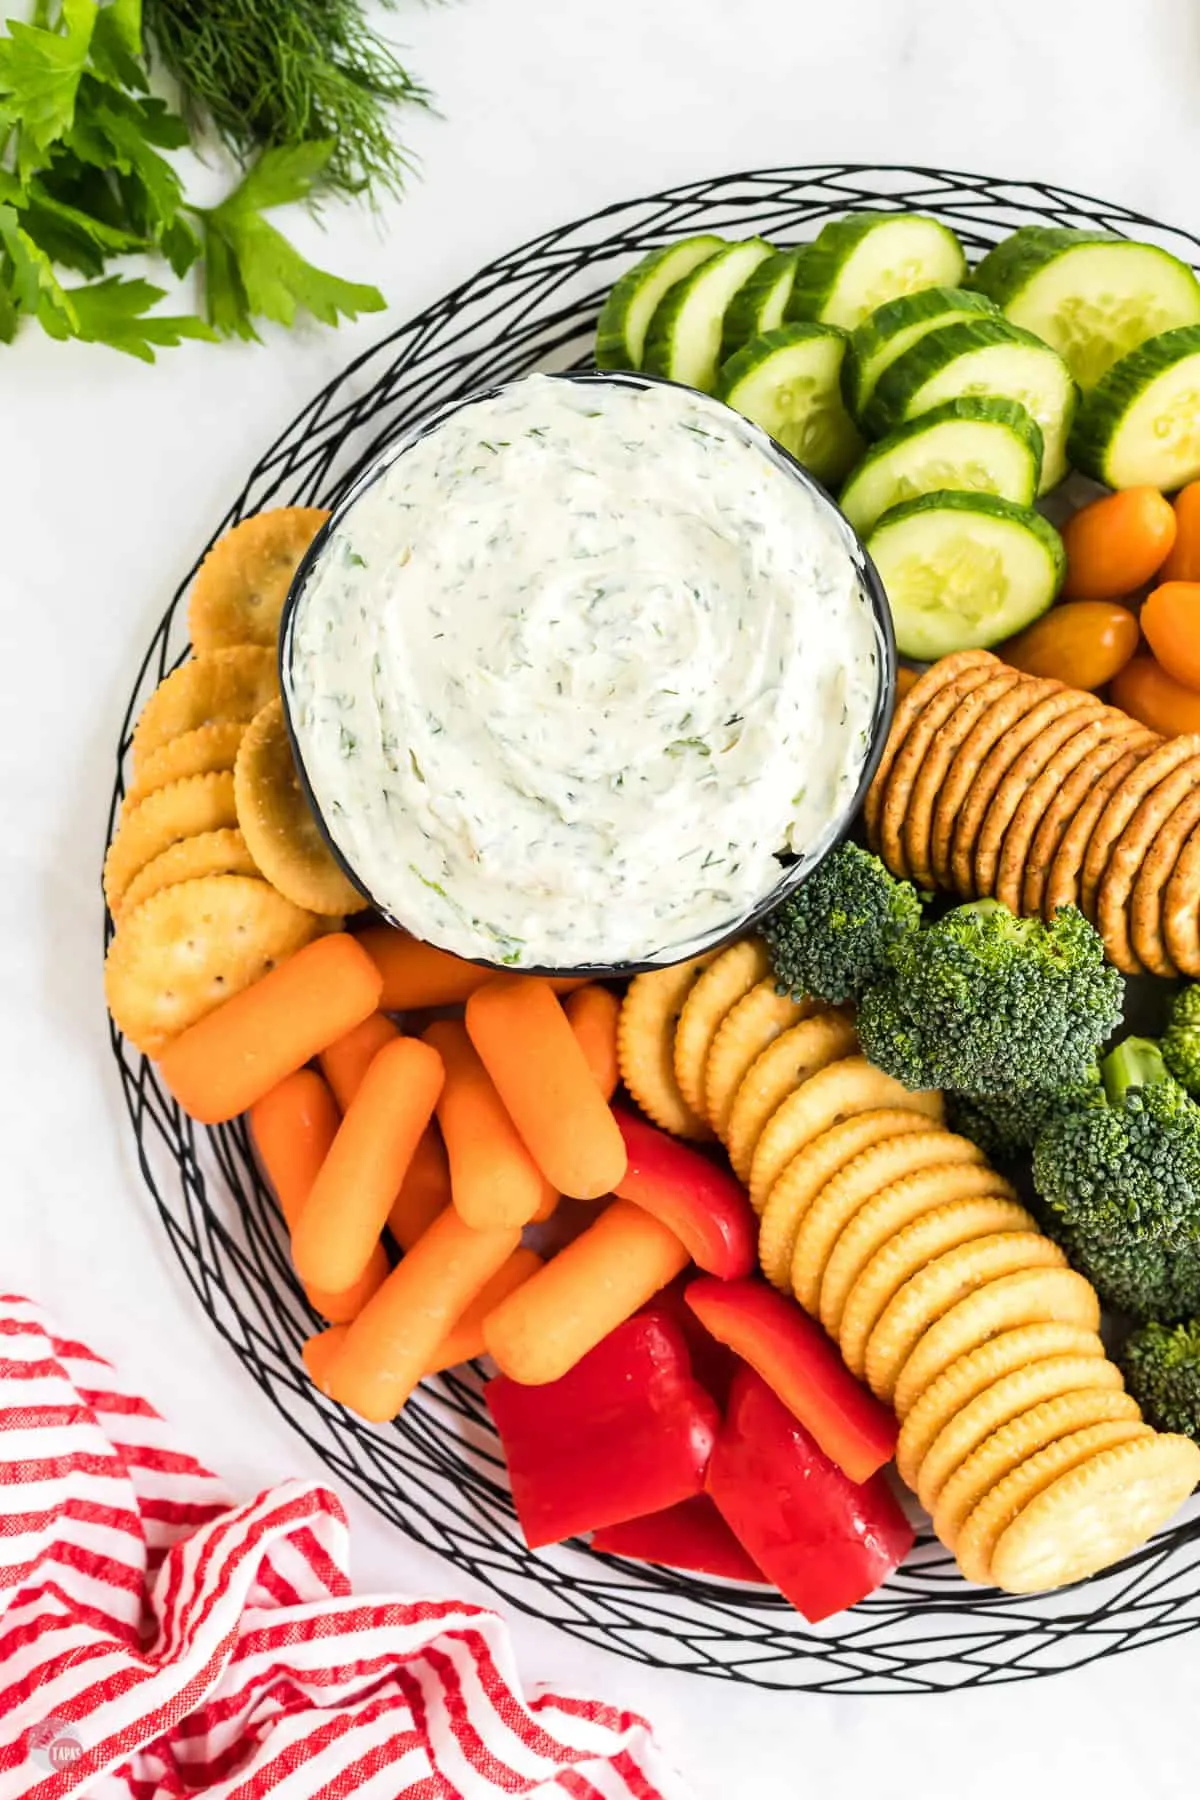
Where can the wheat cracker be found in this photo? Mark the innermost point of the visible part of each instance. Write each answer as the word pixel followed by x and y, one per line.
pixel 845 1194
pixel 807 1176
pixel 970 1374
pixel 795 1056
pixel 1015 1442
pixel 646 1044
pixel 936 1233
pixel 990 1518
pixel 1096 1514
pixel 848 1085
pixel 727 979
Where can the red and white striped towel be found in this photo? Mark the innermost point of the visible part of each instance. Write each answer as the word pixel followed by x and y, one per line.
pixel 156 1641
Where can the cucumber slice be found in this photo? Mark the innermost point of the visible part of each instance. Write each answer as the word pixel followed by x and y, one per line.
pixel 858 263
pixel 964 571
pixel 625 315
pixel 789 382
pixel 1140 425
pixel 760 304
pixel 683 341
pixel 1091 296
pixel 985 446
pixel 986 356
pixel 894 328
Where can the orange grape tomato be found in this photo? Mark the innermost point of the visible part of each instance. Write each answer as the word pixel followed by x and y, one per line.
pixel 1117 544
pixel 1084 644
pixel 1155 699
pixel 1183 564
pixel 1171 623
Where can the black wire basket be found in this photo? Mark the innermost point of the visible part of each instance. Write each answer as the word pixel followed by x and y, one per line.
pixel 436 1472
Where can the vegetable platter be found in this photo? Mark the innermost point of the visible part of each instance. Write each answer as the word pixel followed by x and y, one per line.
pixel 437 1470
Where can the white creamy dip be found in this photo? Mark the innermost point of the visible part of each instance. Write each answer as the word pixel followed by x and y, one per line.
pixel 569 675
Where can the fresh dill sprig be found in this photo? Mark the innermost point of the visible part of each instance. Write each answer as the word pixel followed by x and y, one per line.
pixel 272 73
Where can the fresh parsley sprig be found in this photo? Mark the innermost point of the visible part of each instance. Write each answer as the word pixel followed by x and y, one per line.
pixel 251 271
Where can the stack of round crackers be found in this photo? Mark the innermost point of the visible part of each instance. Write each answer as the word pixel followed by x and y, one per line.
pixel 920 1262
pixel 997 784
pixel 217 869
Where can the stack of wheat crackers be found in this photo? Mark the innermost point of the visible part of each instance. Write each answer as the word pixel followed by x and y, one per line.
pixel 997 784
pixel 217 869
pixel 918 1259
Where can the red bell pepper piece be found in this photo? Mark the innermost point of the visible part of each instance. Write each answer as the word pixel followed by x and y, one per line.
pixel 627 1431
pixel 709 1212
pixel 803 1366
pixel 824 1541
pixel 713 1363
pixel 691 1535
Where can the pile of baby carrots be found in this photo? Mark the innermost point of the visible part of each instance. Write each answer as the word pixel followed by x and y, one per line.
pixel 452 1141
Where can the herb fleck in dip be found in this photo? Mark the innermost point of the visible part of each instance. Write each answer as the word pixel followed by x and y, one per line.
pixel 569 675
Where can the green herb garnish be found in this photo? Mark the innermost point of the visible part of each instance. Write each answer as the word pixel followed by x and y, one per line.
pixel 287 72
pixel 84 181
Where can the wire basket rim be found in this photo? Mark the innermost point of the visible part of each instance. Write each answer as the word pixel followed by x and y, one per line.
pixel 436 1473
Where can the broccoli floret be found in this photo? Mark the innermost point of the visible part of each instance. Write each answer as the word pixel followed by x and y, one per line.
pixel 832 936
pixel 1128 1172
pixel 1006 1125
pixel 1181 1039
pixel 987 1003
pixel 1146 1281
pixel 1162 1372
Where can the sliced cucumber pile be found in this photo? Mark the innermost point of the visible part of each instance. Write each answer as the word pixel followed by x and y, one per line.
pixel 683 341
pixel 1090 296
pixel 761 303
pixel 1140 425
pixel 971 384
pixel 984 445
pixel 964 571
pixel 892 329
pixel 626 314
pixel 789 382
pixel 985 356
pixel 856 264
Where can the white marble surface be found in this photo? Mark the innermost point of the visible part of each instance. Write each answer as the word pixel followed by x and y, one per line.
pixel 112 474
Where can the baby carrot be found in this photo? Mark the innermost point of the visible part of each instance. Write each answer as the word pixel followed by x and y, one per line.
pixel 321 1352
pixel 416 975
pixel 593 1013
pixel 424 1192
pixel 1183 564
pixel 464 1341
pixel 548 1208
pixel 293 1127
pixel 541 1074
pixel 1116 544
pixel 368 1159
pixel 341 1307
pixel 395 1337
pixel 583 1293
pixel 345 1062
pixel 232 1057
pixel 494 1181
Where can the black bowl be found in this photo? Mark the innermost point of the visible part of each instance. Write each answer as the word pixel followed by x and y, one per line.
pixel 794 870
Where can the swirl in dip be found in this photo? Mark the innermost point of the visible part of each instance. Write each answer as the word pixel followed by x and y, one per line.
pixel 571 673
